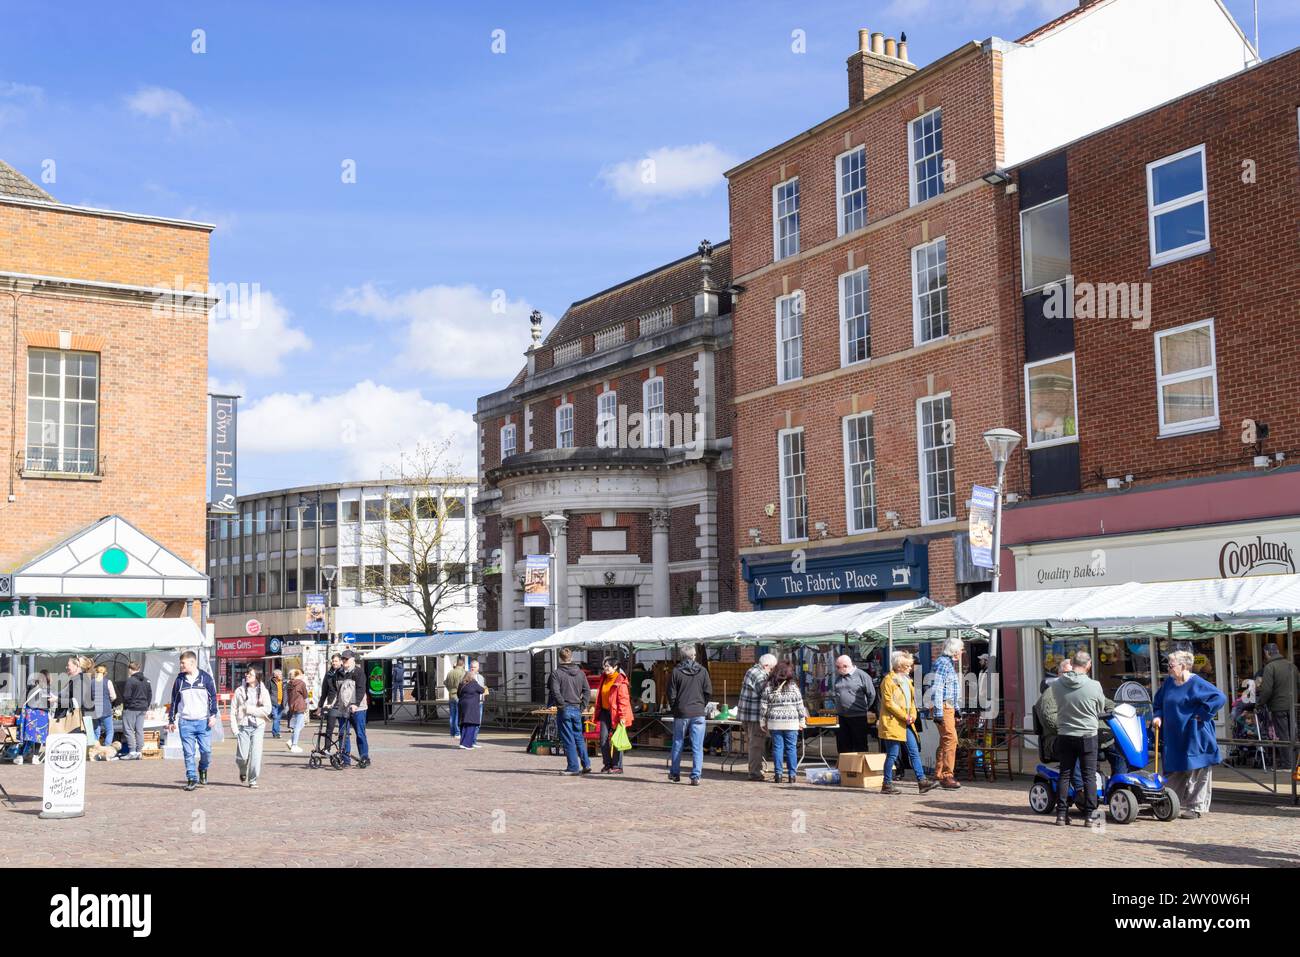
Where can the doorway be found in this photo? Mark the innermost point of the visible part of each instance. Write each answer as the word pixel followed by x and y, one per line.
pixel 605 604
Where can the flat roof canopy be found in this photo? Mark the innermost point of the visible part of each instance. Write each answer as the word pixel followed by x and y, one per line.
pixel 28 635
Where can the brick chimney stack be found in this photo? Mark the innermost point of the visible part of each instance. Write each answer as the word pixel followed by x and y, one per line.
pixel 880 62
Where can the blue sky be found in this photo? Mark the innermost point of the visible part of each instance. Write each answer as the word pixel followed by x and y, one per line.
pixel 487 183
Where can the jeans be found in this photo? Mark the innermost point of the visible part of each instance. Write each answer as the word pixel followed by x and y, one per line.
pixel 453 709
pixel 569 723
pixel 894 748
pixel 133 731
pixel 248 751
pixel 104 729
pixel 1081 753
pixel 195 733
pixel 276 710
pixel 356 720
pixel 468 735
pixel 610 756
pixel 295 727
pixel 785 744
pixel 695 727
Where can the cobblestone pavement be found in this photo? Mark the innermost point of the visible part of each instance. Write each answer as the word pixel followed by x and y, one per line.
pixel 425 802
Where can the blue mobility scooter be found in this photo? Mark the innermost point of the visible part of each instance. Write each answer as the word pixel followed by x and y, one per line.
pixel 1122 794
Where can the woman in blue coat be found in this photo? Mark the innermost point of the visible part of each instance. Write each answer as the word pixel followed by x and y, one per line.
pixel 1184 712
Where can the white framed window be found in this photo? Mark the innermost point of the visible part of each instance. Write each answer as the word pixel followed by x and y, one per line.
pixel 930 291
pixel 652 401
pixel 860 473
pixel 507 449
pixel 564 426
pixel 794 488
pixel 1187 380
pixel 785 218
pixel 1045 244
pixel 925 156
pixel 62 411
pixel 1178 206
pixel 789 337
pixel 855 316
pixel 936 440
pixel 1051 403
pixel 851 189
pixel 607 420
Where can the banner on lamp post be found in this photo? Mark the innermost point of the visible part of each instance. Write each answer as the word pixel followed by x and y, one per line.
pixel 222 430
pixel 537 581
pixel 983 501
pixel 315 622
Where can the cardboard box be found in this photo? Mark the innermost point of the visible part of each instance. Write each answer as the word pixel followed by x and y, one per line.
pixel 862 770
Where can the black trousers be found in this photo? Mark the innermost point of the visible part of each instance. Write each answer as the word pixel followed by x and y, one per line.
pixel 1081 751
pixel 853 734
pixel 1282 724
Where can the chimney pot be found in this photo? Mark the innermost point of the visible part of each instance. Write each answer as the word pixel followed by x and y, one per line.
pixel 877 43
pixel 902 51
pixel 891 47
pixel 864 40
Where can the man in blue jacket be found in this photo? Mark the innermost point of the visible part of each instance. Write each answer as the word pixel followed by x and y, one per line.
pixel 194 713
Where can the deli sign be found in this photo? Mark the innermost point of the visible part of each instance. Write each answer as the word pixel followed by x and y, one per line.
pixel 1257 556
pixel 242 647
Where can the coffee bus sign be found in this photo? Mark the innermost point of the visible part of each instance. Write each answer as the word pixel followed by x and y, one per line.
pixel 1228 552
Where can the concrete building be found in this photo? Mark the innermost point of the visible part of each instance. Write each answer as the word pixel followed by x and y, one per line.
pixel 871 255
pixel 621 421
pixel 282 545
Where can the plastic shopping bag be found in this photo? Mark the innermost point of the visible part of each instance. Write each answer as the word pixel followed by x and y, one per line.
pixel 620 739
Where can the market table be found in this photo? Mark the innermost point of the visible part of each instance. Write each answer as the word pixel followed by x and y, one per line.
pixel 544 717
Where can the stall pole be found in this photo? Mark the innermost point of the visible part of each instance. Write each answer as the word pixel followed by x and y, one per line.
pixel 1290 656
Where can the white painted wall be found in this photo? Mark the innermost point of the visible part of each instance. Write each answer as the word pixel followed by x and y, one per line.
pixel 1123 58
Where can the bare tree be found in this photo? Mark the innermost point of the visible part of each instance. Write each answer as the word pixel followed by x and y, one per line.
pixel 418 554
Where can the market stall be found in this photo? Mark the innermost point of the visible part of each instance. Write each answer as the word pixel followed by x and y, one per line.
pixel 1129 630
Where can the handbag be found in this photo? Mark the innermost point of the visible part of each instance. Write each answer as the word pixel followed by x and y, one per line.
pixel 620 739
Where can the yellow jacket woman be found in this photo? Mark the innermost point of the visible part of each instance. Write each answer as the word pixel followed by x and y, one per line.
pixel 897 706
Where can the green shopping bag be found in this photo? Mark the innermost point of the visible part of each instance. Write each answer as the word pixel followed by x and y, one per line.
pixel 620 739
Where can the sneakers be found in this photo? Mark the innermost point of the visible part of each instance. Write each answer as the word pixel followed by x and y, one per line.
pixel 252 784
pixel 191 784
pixel 675 778
pixel 570 774
pixel 464 747
pixel 695 782
pixel 1189 815
pixel 295 749
pixel 586 770
pixel 203 777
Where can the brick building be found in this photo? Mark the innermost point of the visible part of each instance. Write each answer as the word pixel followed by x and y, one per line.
pixel 622 422
pixel 1158 281
pixel 103 402
pixel 872 261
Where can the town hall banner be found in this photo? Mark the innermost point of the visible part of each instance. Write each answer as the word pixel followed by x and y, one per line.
pixel 222 430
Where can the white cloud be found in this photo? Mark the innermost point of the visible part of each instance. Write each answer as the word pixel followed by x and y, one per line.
pixel 218 386
pixel 16 99
pixel 458 333
pixel 368 426
pixel 159 102
pixel 669 172
pixel 250 332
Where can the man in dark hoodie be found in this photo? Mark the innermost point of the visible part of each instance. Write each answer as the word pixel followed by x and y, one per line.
pixel 689 690
pixel 570 693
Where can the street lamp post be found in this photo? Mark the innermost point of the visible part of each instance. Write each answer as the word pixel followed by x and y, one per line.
pixel 1001 443
pixel 328 572
pixel 555 523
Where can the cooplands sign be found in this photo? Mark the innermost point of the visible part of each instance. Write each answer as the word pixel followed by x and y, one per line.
pixel 1256 557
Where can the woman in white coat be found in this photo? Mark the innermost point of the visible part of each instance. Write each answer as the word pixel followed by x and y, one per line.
pixel 249 709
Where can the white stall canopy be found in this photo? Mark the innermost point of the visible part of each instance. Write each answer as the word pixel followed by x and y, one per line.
pixel 470 643
pixel 55 636
pixel 1192 607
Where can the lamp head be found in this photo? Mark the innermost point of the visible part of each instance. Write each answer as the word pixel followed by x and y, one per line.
pixel 1001 443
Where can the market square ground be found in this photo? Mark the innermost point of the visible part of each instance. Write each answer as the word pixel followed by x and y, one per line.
pixel 425 802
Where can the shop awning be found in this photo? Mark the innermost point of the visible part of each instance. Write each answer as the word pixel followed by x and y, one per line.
pixel 1191 607
pixel 396 648
pixel 53 636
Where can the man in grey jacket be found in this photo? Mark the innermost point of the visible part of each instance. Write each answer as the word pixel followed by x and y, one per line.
pixel 1277 695
pixel 1080 704
pixel 570 694
pixel 855 693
